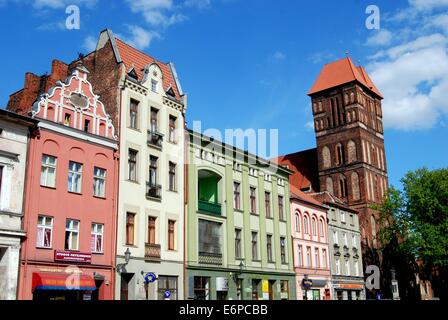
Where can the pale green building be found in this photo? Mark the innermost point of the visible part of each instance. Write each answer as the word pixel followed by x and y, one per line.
pixel 238 234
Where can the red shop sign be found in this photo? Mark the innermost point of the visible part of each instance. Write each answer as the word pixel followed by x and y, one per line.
pixel 69 256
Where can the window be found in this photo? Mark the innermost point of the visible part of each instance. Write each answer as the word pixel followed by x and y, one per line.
pixel 343 188
pixel 354 241
pixel 283 249
pixel 324 258
pixel 86 125
pixel 338 266
pixel 339 154
pixel 152 230
pixel 133 114
pixel 99 182
pixel 313 226
pixel 316 257
pixel 71 234
pixel 284 289
pixel 347 267
pixel 96 239
pixel 67 119
pixel 171 234
pixel 356 269
pixel 352 219
pixel 74 177
pixel 269 247
pixel 305 224
pixel 130 224
pixel 343 216
pixel 345 240
pixel 335 237
pixel 267 203
pixel 254 246
pixel 300 256
pixel 132 165
pixel 48 171
pixel 281 212
pixel 201 288
pixel 166 283
pixel 255 285
pixel 253 200
pixel 237 195
pixel 153 85
pixel 172 130
pixel 238 244
pixel 172 176
pixel 210 237
pixel 154 115
pixel 308 256
pixel 153 171
pixel 297 222
pixel 44 231
pixel 321 227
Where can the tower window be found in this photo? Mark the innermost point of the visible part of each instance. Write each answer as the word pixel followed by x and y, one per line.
pixel 340 157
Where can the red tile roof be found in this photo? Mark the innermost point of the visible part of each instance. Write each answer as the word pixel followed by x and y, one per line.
pixel 304 166
pixel 296 193
pixel 326 197
pixel 341 72
pixel 138 59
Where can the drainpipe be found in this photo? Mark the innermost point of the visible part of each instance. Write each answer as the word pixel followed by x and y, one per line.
pixel 186 144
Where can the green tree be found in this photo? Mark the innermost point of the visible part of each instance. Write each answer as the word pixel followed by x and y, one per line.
pixel 415 227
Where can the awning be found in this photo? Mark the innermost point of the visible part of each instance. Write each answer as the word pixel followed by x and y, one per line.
pixel 61 281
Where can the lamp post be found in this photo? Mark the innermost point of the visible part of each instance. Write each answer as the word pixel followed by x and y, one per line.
pixel 122 266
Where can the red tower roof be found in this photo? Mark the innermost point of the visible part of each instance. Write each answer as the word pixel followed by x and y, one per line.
pixel 341 72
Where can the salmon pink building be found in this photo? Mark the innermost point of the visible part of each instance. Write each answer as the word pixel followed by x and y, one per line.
pixel 310 246
pixel 71 197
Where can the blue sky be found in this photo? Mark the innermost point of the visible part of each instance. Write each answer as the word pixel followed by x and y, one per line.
pixel 249 64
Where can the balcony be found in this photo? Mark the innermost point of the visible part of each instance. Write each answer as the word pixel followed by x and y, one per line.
pixel 155 139
pixel 153 191
pixel 209 207
pixel 152 252
pixel 210 258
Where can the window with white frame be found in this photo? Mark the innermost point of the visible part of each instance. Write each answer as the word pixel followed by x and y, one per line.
pixel 321 227
pixel 338 266
pixel 335 237
pixel 153 85
pixel 99 182
pixel 48 171
pixel 342 216
pixel 316 257
pixel 347 267
pixel 345 239
pixel 300 255
pixel 74 177
pixel 356 269
pixel 354 241
pixel 96 239
pixel 71 234
pixel 44 231
pixel 324 258
pixel 297 220
pixel 308 256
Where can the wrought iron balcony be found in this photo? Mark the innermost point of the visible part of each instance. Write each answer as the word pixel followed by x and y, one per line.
pixel 155 139
pixel 210 258
pixel 153 191
pixel 209 207
pixel 152 252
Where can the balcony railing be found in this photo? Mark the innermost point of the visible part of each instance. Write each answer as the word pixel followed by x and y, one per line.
pixel 155 139
pixel 152 252
pixel 210 258
pixel 209 207
pixel 153 191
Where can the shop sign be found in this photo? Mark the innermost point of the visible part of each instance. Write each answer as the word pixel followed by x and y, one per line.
pixel 307 283
pixel 167 294
pixel 348 286
pixel 222 284
pixel 265 286
pixel 150 277
pixel 69 256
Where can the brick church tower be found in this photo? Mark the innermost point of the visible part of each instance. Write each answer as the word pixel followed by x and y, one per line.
pixel 350 143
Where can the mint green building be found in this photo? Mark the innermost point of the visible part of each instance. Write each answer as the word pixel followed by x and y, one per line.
pixel 238 228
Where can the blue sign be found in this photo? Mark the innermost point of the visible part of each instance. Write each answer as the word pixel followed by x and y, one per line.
pixel 150 277
pixel 167 294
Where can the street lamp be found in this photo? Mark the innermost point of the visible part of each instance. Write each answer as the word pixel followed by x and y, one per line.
pixel 122 266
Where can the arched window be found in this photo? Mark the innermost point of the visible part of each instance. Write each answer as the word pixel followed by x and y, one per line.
pixel 313 226
pixel 351 148
pixel 339 154
pixel 355 186
pixel 321 228
pixel 329 184
pixel 373 226
pixel 342 187
pixel 326 157
pixel 305 224
pixel 297 221
pixel 352 97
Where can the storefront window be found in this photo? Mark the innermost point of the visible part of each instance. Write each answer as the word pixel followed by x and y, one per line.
pixel 255 284
pixel 167 284
pixel 201 288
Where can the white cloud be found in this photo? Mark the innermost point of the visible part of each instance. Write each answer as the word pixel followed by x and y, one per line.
pixel 412 75
pixel 158 13
pixel 309 125
pixel 90 43
pixel 200 4
pixel 382 37
pixel 57 4
pixel 139 37
pixel 428 4
pixel 278 56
